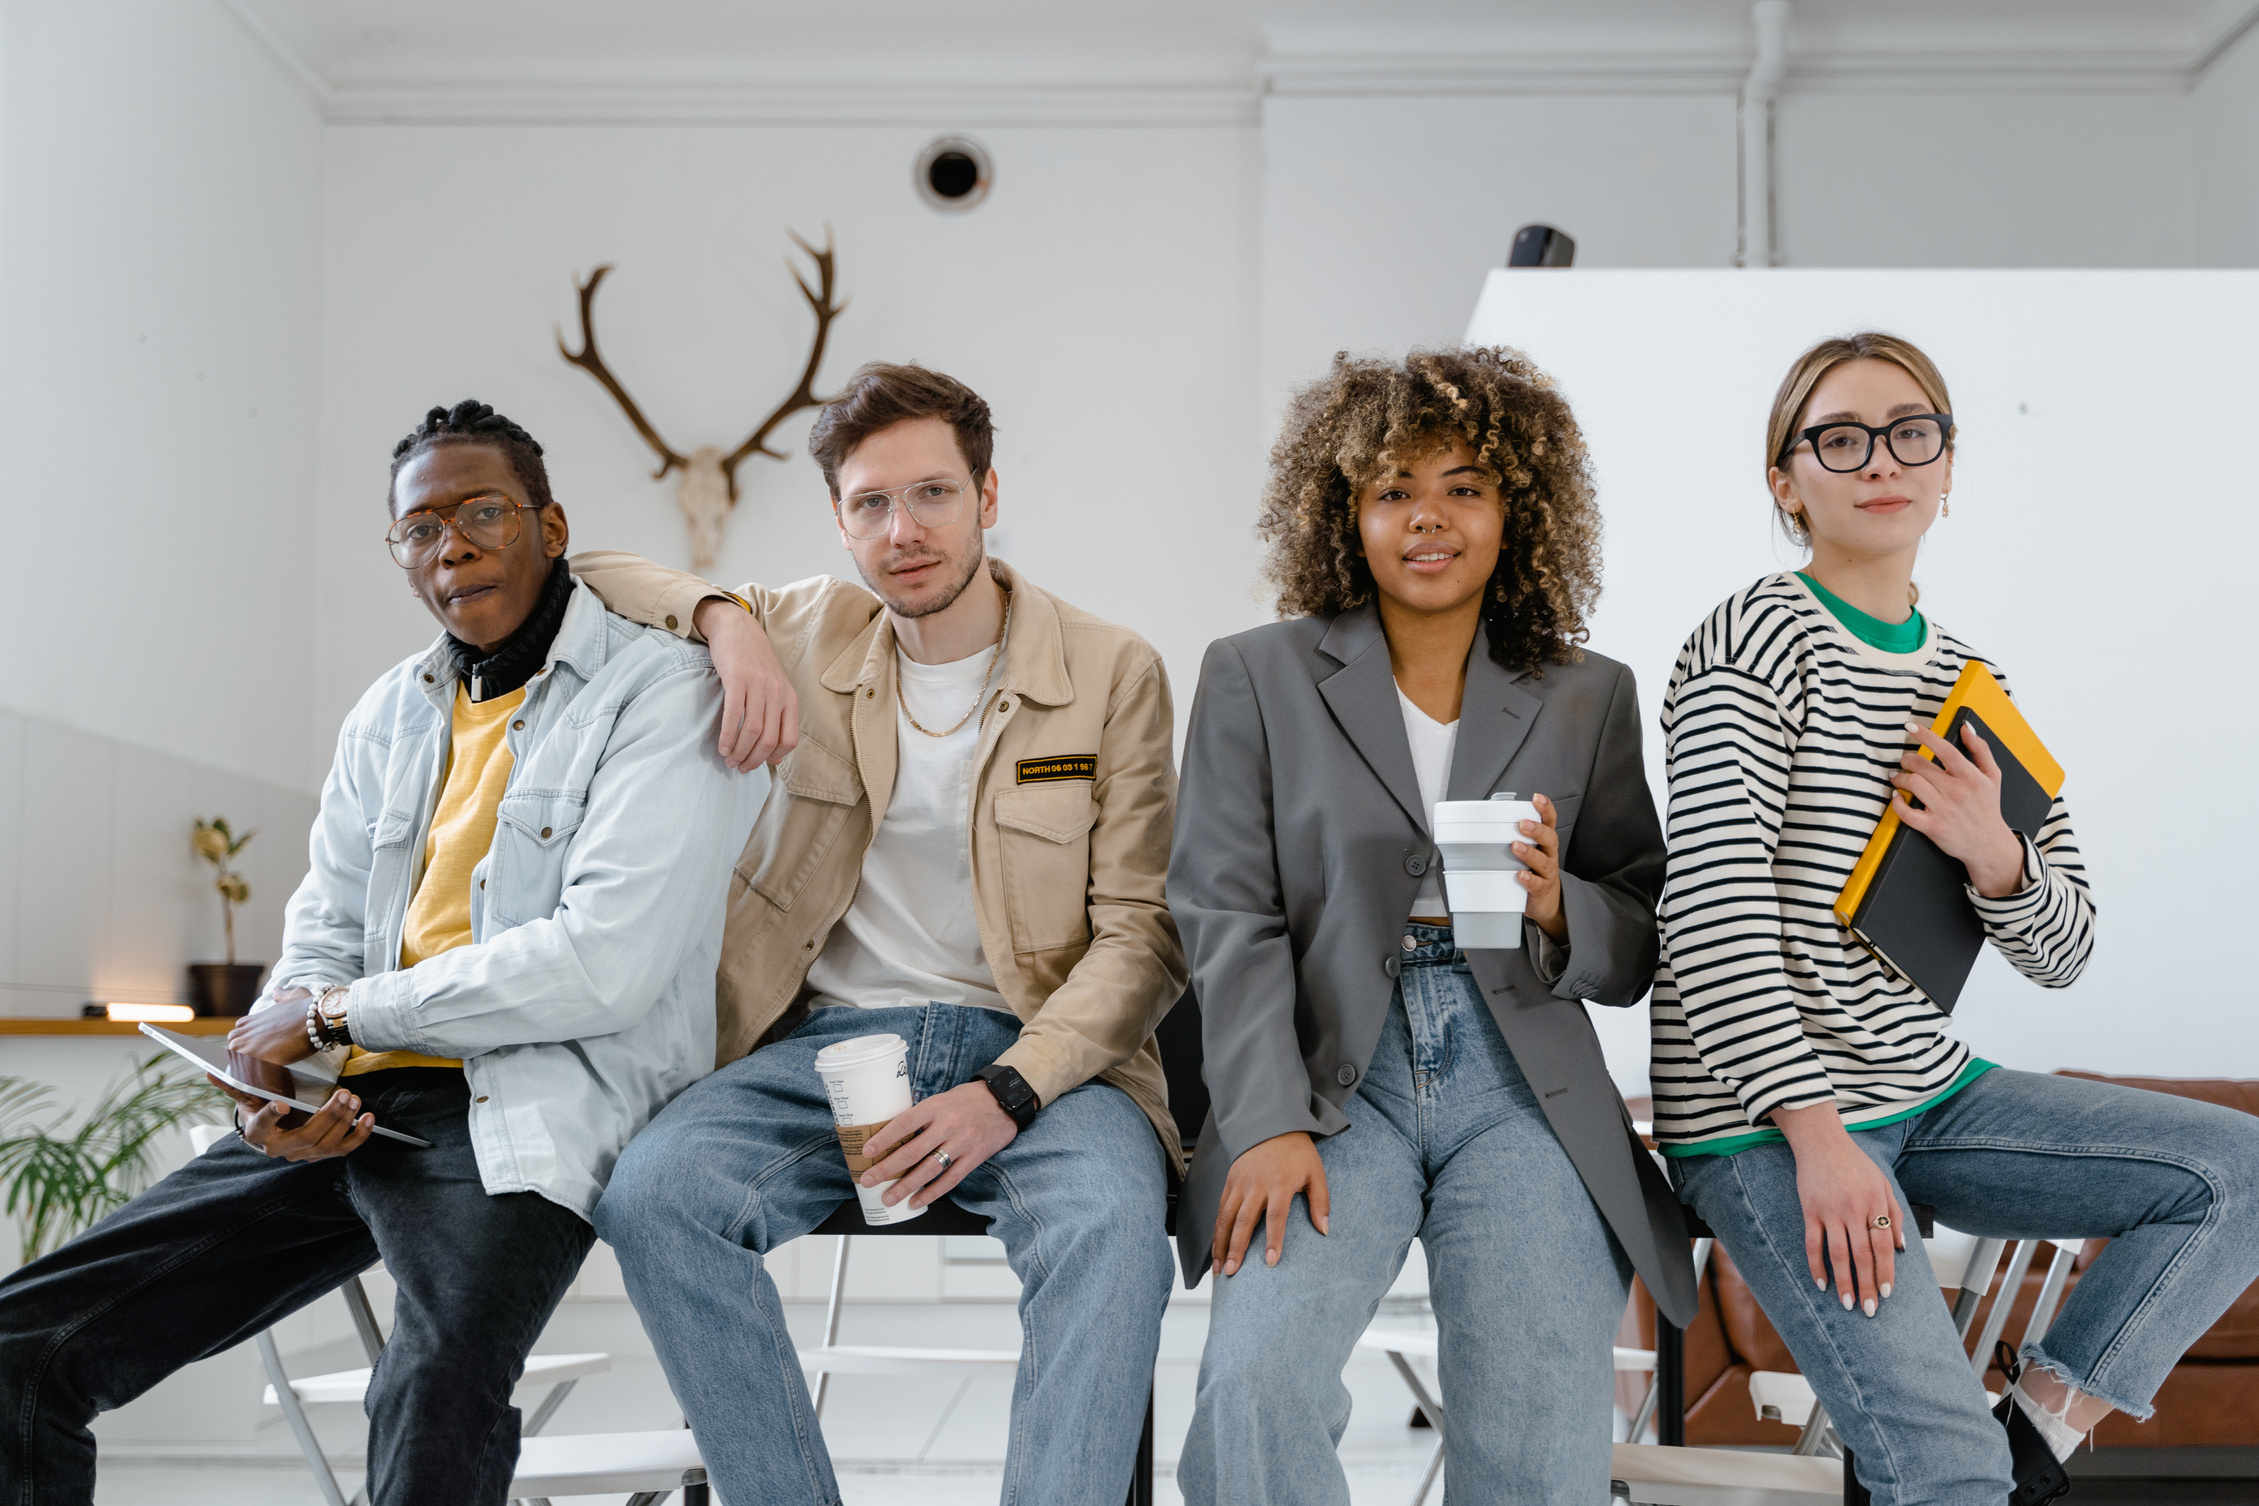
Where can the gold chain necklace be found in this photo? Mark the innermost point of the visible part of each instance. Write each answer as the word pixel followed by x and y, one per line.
pixel 996 657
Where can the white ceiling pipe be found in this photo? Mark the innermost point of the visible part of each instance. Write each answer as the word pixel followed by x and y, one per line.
pixel 1758 90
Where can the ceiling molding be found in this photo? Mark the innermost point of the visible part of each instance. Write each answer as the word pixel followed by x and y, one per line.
pixel 1363 75
pixel 763 103
pixel 1205 91
pixel 2226 37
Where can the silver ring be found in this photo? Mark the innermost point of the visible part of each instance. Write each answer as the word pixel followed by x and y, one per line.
pixel 943 1159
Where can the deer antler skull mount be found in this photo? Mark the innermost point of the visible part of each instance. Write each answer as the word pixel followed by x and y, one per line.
pixel 708 488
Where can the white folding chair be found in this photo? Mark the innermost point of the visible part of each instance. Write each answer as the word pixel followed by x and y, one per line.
pixel 834 1358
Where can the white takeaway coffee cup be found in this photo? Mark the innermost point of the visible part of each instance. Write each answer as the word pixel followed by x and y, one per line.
pixel 867 1080
pixel 1481 876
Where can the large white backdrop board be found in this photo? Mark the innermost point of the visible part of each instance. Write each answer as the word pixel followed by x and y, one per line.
pixel 2100 550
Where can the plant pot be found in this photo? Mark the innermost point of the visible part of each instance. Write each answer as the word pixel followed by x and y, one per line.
pixel 225 988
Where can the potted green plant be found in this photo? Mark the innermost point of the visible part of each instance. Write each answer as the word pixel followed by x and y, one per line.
pixel 54 1183
pixel 230 987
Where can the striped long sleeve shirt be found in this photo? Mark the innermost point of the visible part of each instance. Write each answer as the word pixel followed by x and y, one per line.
pixel 1781 731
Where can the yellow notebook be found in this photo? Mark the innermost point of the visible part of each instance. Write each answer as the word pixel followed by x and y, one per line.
pixel 1906 901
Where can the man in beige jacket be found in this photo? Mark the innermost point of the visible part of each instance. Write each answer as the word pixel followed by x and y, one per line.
pixel 965 845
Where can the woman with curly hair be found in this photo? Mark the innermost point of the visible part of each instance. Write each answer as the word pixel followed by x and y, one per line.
pixel 1435 545
pixel 1806 1093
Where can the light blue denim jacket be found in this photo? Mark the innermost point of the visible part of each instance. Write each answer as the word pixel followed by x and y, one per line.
pixel 586 998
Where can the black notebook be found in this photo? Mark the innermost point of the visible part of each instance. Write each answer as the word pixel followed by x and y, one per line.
pixel 1906 901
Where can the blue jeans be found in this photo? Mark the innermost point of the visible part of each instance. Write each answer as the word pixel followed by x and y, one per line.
pixel 2173 1184
pixel 1445 1143
pixel 747 1159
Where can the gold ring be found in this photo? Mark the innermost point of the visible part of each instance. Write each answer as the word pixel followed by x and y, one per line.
pixel 1879 1221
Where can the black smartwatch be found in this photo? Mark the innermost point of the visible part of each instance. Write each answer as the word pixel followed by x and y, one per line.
pixel 1013 1095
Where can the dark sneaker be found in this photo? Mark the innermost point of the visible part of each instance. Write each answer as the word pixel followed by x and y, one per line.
pixel 2039 1474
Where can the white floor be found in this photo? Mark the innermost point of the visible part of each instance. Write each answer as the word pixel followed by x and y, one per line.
pixel 893 1440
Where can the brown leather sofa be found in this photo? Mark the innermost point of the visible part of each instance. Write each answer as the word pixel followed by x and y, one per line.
pixel 2210 1400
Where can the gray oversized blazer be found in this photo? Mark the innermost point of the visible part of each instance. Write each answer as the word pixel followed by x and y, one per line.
pixel 1300 843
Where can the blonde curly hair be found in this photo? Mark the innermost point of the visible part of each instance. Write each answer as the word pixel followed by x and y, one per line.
pixel 1367 417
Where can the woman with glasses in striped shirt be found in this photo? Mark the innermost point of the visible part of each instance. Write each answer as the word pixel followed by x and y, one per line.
pixel 1806 1094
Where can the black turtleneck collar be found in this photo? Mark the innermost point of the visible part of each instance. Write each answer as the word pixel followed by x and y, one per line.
pixel 523 653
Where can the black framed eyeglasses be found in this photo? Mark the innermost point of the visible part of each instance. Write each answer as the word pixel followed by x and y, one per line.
pixel 1916 439
pixel 488 522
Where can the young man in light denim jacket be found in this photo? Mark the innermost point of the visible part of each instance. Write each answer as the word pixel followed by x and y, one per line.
pixel 506 946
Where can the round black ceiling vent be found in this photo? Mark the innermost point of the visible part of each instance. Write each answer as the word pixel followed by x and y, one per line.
pixel 953 173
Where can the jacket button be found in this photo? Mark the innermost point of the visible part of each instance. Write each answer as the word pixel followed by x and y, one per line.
pixel 427 679
pixel 519 725
pixel 1388 966
pixel 1415 865
pixel 869 691
pixel 670 622
pixel 1346 1075
pixel 545 834
pixel 480 1099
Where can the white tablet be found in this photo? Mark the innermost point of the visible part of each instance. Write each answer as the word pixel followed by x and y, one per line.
pixel 310 1087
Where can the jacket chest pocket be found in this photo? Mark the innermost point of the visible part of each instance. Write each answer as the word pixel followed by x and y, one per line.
pixel 1043 846
pixel 815 789
pixel 525 869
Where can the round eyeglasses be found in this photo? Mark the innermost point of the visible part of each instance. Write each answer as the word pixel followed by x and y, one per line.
pixel 865 515
pixel 487 522
pixel 1917 439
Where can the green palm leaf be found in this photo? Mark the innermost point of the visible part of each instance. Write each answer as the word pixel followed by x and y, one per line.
pixel 56 1184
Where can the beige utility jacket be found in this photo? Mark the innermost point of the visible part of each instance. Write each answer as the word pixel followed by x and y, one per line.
pixel 1074 795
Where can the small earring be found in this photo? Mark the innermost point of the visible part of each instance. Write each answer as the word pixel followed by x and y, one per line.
pixel 1945 502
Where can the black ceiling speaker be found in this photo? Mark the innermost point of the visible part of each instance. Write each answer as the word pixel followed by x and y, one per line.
pixel 953 173
pixel 1541 246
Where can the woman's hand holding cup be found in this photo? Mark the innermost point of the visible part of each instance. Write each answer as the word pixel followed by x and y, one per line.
pixel 1540 852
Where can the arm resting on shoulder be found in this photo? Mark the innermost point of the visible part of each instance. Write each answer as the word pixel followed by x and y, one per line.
pixel 654 595
pixel 1225 893
pixel 645 870
pixel 1133 973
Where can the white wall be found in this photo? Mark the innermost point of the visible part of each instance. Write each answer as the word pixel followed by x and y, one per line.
pixel 158 328
pixel 1951 179
pixel 2111 593
pixel 159 224
pixel 1102 300
pixel 2224 114
pixel 1381 214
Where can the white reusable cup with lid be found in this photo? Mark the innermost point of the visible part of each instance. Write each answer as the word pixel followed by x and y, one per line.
pixel 1481 876
pixel 867 1080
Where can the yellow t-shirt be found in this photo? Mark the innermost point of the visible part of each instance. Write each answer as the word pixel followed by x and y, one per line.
pixel 462 829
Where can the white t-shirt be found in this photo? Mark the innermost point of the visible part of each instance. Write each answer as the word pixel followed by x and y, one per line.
pixel 1432 742
pixel 912 936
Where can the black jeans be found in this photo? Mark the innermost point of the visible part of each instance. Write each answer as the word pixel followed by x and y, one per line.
pixel 233 1242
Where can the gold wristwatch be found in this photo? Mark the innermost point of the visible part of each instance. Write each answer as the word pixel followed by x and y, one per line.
pixel 331 1006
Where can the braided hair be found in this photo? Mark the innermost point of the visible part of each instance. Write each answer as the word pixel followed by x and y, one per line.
pixel 473 422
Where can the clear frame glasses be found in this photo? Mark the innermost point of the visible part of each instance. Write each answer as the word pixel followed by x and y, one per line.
pixel 488 522
pixel 1916 439
pixel 865 515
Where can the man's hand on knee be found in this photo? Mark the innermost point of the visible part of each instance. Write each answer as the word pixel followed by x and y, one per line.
pixel 965 1125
